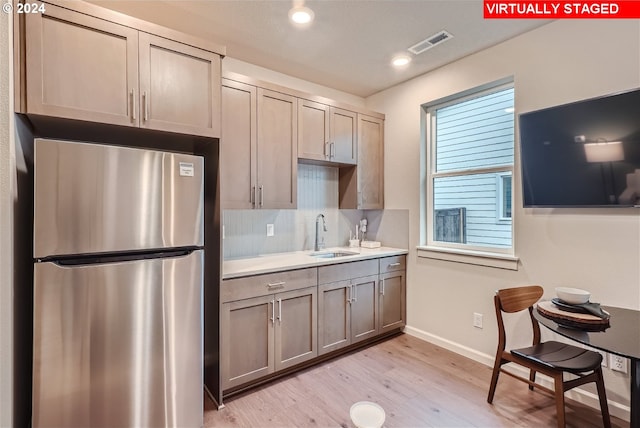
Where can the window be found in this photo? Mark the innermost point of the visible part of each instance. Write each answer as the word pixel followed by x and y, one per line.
pixel 470 149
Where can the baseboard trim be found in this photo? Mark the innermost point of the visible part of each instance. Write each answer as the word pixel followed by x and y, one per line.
pixel 616 409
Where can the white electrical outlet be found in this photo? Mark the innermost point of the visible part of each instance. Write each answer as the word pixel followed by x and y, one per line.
pixel 477 320
pixel 618 363
pixel 270 230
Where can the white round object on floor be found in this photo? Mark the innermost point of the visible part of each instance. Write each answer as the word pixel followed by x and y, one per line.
pixel 365 414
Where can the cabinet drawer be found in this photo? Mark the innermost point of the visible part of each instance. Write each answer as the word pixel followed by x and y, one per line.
pixel 342 271
pixel 261 285
pixel 390 264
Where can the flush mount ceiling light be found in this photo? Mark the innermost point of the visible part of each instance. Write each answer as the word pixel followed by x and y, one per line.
pixel 301 15
pixel 400 60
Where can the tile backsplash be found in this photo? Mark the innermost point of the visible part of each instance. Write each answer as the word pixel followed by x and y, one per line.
pixel 245 231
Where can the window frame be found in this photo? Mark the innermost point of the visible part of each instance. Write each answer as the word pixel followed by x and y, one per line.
pixel 500 199
pixel 501 257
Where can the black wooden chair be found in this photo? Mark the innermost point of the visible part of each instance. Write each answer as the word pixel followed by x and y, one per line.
pixel 550 358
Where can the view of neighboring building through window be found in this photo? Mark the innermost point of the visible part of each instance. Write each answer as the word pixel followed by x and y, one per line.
pixel 471 147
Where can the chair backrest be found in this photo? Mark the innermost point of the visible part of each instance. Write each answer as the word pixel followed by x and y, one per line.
pixel 516 299
pixel 519 298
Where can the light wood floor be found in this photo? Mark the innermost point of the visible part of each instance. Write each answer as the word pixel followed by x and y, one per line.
pixel 417 383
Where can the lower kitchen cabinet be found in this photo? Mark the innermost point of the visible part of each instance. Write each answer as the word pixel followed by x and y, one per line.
pixel 392 293
pixel 264 334
pixel 271 322
pixel 364 304
pixel 248 333
pixel 334 316
pixel 347 308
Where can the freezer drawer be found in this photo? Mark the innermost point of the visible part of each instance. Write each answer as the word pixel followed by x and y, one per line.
pixel 119 345
pixel 95 198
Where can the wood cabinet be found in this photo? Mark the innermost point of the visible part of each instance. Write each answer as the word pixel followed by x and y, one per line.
pixel 271 322
pixel 82 67
pixel 326 133
pixel 392 293
pixel 238 150
pixel 258 149
pixel 347 304
pixel 277 185
pixel 266 333
pixel 370 162
pixel 179 87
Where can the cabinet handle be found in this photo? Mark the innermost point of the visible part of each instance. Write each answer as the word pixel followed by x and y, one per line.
pixel 253 196
pixel 273 311
pixel 382 286
pixel 394 264
pixel 261 195
pixel 326 155
pixel 132 96
pixel 355 292
pixel 280 310
pixel 145 106
pixel 276 284
pixel 332 150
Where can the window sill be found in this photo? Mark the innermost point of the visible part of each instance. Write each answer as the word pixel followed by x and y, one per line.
pixel 480 258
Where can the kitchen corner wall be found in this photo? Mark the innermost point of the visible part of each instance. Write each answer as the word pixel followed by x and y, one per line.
pixel 245 231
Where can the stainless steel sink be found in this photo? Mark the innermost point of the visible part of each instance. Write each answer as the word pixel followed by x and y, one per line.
pixel 333 254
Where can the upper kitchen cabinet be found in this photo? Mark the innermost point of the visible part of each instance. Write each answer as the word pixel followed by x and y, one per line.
pixel 363 187
pixel 277 150
pixel 258 150
pixel 238 150
pixel 179 87
pixel 370 162
pixel 94 65
pixel 81 67
pixel 326 134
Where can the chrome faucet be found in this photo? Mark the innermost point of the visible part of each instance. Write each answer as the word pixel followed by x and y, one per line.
pixel 317 245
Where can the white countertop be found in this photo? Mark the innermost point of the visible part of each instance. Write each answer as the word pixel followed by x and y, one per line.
pixel 300 259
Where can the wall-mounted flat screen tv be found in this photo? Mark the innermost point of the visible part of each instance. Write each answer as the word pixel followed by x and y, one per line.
pixel 583 154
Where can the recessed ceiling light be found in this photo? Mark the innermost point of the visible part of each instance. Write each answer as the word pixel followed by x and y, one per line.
pixel 400 60
pixel 301 15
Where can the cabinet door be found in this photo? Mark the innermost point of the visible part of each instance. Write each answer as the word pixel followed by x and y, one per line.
pixel 343 147
pixel 364 308
pixel 334 316
pixel 277 150
pixel 370 162
pixel 247 340
pixel 80 67
pixel 313 130
pixel 296 327
pixel 238 145
pixel 179 87
pixel 392 300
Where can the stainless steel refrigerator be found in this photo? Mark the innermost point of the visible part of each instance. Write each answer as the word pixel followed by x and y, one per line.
pixel 118 280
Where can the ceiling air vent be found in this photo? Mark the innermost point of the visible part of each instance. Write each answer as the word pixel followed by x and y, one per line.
pixel 430 42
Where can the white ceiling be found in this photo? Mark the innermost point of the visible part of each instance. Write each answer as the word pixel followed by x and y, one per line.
pixel 349 45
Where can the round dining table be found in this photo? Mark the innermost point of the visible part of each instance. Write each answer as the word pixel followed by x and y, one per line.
pixel 621 337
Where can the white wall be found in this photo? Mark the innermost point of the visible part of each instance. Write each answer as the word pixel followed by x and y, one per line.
pixel 6 204
pixel 595 249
